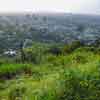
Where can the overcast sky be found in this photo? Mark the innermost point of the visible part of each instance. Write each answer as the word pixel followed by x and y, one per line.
pixel 71 6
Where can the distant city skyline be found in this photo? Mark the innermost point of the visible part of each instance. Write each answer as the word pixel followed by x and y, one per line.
pixel 66 6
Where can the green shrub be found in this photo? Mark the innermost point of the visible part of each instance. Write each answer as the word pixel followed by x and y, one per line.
pixel 8 71
pixel 17 93
pixel 71 47
pixel 80 59
pixel 81 85
pixel 55 51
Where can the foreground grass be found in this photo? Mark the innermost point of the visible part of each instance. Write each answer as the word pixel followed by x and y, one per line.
pixel 72 77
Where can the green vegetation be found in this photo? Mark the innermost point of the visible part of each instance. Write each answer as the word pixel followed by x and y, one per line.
pixel 52 73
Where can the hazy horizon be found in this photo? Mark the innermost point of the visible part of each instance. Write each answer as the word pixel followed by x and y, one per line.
pixel 51 6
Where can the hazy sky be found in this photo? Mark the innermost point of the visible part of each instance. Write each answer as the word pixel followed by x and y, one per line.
pixel 73 6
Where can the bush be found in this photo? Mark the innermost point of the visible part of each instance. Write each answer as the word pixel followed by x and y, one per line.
pixel 52 60
pixel 55 51
pixel 80 59
pixel 71 47
pixel 17 93
pixel 78 89
pixel 81 85
pixel 8 71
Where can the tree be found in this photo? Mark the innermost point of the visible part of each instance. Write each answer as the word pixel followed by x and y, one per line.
pixel 22 51
pixel 80 28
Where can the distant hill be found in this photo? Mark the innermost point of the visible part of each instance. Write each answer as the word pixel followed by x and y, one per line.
pixel 51 28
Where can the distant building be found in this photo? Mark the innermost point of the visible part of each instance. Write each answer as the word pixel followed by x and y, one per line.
pixel 10 52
